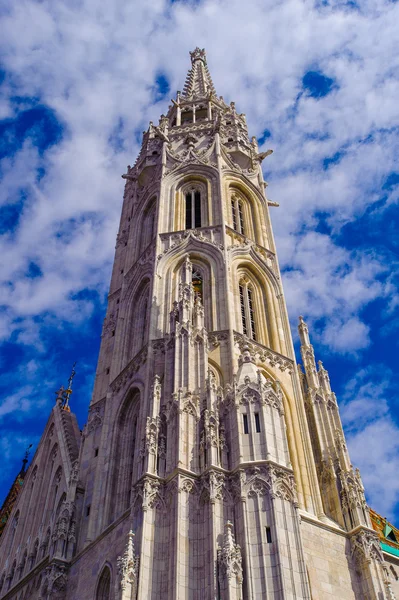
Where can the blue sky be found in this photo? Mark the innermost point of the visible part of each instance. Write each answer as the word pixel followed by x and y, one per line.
pixel 318 82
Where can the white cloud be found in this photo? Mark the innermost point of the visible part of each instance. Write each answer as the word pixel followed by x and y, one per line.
pixel 373 436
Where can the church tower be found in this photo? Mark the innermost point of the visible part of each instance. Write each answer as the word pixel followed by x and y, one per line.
pixel 211 467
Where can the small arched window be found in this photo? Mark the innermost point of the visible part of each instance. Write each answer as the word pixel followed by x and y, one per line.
pixel 237 215
pixel 247 309
pixel 193 209
pixel 104 585
pixel 395 575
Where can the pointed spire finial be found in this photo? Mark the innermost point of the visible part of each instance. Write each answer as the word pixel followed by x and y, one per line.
pixel 25 460
pixel 198 81
pixel 63 394
pixel 68 391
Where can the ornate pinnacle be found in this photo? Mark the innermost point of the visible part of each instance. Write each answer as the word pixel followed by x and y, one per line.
pixel 198 54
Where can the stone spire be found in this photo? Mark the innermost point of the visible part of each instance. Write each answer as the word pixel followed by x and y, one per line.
pixel 198 80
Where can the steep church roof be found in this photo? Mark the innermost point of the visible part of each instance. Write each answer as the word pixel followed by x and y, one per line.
pixel 12 495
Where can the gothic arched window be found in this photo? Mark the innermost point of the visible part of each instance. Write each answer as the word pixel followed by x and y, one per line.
pixel 247 309
pixel 237 212
pixel 104 585
pixel 193 209
pixel 125 454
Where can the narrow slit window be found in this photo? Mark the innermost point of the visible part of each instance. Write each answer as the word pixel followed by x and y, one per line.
pixel 237 213
pixel 247 309
pixel 188 211
pixel 197 213
pixel 243 315
pixel 193 209
pixel 257 423
pixel 233 214
pixel 251 314
pixel 241 217
pixel 268 535
pixel 245 421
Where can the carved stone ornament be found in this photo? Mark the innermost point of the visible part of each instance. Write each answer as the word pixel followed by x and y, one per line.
pixel 55 581
pixel 365 547
pixel 213 487
pixel 150 492
pixel 94 420
pixel 128 569
pixel 109 324
pixel 229 557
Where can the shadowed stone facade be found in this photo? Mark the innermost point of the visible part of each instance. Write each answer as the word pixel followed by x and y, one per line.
pixel 211 467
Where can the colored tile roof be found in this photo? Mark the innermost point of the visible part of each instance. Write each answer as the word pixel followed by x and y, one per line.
pixel 388 533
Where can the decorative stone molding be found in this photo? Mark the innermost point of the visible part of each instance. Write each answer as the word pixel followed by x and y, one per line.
pixel 130 370
pixel 109 324
pixel 95 418
pixel 178 239
pixel 262 354
pixel 270 479
pixel 128 570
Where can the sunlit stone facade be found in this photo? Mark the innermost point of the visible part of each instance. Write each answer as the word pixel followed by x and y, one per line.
pixel 210 467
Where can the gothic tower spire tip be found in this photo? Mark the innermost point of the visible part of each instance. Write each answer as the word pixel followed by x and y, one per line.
pixel 198 81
